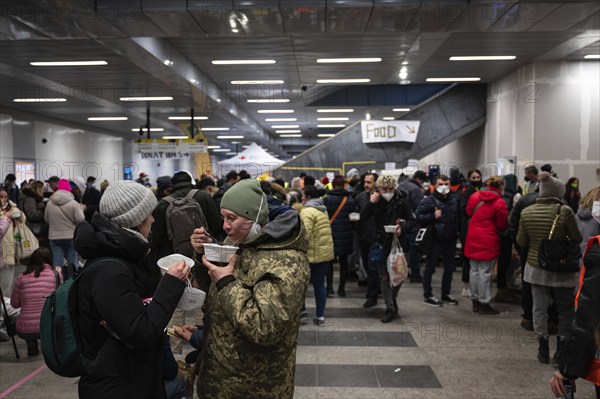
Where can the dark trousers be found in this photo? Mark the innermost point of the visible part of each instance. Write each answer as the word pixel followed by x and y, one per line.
pixel 414 256
pixel 464 262
pixel 343 259
pixel 504 261
pixel 372 272
pixel 446 250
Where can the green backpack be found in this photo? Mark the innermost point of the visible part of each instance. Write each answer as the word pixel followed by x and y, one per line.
pixel 59 334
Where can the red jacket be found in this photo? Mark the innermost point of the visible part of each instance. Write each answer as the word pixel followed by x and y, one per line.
pixel 483 234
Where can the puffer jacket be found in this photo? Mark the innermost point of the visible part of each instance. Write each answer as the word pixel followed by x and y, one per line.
pixel 131 366
pixel 32 204
pixel 318 231
pixel 536 223
pixel 29 294
pixel 446 227
pixel 8 251
pixel 580 358
pixel 5 223
pixel 252 317
pixel 63 214
pixel 343 234
pixel 483 233
pixel 588 226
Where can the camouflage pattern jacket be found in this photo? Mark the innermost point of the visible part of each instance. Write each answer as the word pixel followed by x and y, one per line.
pixel 252 318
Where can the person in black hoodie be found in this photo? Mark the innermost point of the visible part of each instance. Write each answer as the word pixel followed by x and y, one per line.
pixel 90 199
pixel 122 337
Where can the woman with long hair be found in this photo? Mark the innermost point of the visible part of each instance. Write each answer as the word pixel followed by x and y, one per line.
pixel 29 293
pixel 588 226
pixel 572 193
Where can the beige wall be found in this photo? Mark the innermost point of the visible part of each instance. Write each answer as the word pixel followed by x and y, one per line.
pixel 546 112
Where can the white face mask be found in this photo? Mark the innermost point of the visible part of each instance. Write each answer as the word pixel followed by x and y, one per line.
pixel 387 196
pixel 596 210
pixel 255 230
pixel 443 190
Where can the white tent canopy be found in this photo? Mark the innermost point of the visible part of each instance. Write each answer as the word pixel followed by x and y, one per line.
pixel 253 160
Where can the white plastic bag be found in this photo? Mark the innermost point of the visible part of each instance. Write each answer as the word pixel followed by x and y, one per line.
pixel 192 298
pixel 396 264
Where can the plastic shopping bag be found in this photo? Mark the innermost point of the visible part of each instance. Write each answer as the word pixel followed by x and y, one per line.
pixel 396 264
pixel 25 241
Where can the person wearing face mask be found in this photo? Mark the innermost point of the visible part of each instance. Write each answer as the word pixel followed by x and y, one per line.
pixel 388 207
pixel 9 254
pixel 531 179
pixel 474 184
pixel 10 185
pixel 440 211
pixel 587 214
pixel 572 193
pixel 252 310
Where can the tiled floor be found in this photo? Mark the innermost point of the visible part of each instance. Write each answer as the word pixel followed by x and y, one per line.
pixel 437 353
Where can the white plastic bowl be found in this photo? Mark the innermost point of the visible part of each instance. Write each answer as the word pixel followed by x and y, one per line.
pixel 168 261
pixel 390 228
pixel 219 253
pixel 354 217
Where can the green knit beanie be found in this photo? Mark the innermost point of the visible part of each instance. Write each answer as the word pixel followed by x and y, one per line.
pixel 244 198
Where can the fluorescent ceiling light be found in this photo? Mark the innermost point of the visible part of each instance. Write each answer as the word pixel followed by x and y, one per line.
pixel 346 60
pixel 214 129
pixel 483 58
pixel 67 63
pixel 325 135
pixel 281 120
pixel 268 100
pixel 229 137
pixel 152 129
pixel 291 135
pixel 213 147
pixel 335 110
pixel 222 150
pixel 243 62
pixel 592 57
pixel 332 125
pixel 333 119
pixel 257 82
pixel 343 80
pixel 401 109
pixel 275 111
pixel 288 131
pixel 158 98
pixel 453 79
pixel 107 118
pixel 284 126
pixel 175 137
pixel 388 118
pixel 187 118
pixel 39 100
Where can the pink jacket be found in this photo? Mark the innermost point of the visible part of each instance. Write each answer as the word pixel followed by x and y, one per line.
pixel 29 294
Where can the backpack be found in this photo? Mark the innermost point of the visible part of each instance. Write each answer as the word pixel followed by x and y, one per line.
pixel 183 215
pixel 59 333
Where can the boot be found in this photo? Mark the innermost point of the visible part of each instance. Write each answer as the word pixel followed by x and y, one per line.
pixel 485 308
pixel 560 348
pixel 475 306
pixel 543 350
pixel 32 348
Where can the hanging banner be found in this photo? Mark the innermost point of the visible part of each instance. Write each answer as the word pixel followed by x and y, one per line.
pixel 169 149
pixel 389 131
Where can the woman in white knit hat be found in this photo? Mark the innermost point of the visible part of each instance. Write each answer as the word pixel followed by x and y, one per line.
pixel 124 360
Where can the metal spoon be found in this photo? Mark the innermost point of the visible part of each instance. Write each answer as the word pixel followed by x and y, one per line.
pixel 215 241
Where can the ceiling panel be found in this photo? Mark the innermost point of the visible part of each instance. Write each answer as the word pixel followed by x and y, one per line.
pixel 566 16
pixel 523 16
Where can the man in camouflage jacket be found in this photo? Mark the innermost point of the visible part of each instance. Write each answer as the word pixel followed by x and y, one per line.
pixel 252 314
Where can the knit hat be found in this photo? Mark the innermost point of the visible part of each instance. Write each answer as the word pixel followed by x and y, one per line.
pixel 80 183
pixel 419 174
pixel 244 198
pixel 338 181
pixel 352 173
pixel 550 187
pixel 127 203
pixel 64 184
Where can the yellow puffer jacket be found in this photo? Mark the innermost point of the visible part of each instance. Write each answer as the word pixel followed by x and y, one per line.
pixel 318 232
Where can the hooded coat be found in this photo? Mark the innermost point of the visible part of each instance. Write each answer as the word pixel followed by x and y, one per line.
pixel 318 231
pixel 483 234
pixel 131 365
pixel 343 233
pixel 252 317
pixel 62 214
pixel 588 226
pixel 32 204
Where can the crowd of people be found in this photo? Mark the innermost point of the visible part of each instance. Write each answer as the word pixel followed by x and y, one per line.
pixel 290 234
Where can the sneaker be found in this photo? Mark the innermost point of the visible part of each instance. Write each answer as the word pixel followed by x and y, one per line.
pixel 390 314
pixel 527 324
pixel 466 292
pixel 449 299
pixel 303 317
pixel 432 301
pixel 370 303
pixel 319 321
pixel 330 293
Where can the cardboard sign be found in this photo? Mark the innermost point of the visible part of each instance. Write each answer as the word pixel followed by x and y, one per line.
pixel 389 131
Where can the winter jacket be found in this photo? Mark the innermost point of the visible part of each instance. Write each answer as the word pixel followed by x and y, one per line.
pixel 483 234
pixel 446 227
pixel 342 228
pixel 5 224
pixel 276 207
pixel 414 192
pixel 588 226
pixel 91 200
pixel 536 223
pixel 580 355
pixel 515 214
pixel 464 219
pixel 8 250
pixel 367 230
pixel 32 204
pixel 63 214
pixel 131 366
pixel 29 294
pixel 252 318
pixel 318 231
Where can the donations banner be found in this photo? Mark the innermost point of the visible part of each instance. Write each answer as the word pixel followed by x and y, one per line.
pixel 169 149
pixel 389 131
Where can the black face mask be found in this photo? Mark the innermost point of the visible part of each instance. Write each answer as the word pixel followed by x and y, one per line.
pixel 527 178
pixel 476 183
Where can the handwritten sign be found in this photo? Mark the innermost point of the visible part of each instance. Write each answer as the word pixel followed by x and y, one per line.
pixel 389 131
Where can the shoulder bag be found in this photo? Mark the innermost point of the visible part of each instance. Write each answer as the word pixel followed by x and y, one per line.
pixel 558 256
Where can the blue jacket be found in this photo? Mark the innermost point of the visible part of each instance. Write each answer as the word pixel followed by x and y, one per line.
pixel 343 235
pixel 446 227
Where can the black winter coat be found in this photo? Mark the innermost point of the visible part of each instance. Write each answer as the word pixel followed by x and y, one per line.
pixel 131 366
pixel 91 200
pixel 343 235
pixel 367 229
pixel 515 214
pixel 446 227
